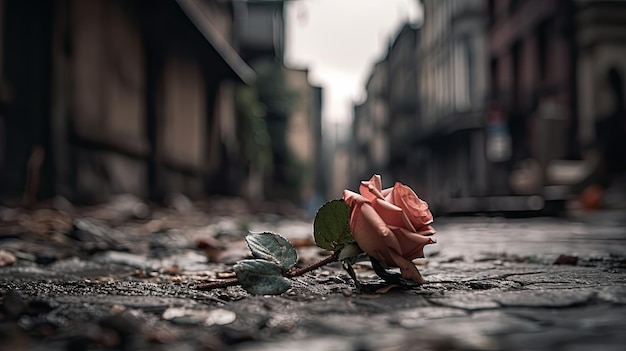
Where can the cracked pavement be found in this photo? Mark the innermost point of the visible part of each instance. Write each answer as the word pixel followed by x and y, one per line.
pixel 92 281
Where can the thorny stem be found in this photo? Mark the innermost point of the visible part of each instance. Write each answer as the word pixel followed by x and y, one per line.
pixel 294 272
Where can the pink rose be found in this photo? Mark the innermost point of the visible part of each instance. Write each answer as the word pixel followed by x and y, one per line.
pixel 390 225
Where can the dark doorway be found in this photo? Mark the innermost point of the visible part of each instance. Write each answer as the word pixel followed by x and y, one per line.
pixel 26 104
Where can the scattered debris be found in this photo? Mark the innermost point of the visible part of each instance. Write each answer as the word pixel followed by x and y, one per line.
pixel 87 278
pixel 218 316
pixel 566 259
pixel 7 258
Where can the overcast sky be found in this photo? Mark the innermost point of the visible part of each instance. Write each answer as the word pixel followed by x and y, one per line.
pixel 339 41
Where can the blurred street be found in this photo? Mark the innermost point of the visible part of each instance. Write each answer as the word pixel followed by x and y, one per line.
pixel 141 141
pixel 126 275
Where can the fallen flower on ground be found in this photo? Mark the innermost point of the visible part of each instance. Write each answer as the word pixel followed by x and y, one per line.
pixel 390 225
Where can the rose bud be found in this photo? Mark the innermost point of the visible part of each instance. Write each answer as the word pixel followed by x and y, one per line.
pixel 390 225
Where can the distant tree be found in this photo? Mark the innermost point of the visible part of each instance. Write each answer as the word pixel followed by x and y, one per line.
pixel 264 110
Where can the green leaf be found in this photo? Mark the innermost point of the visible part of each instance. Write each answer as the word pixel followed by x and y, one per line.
pixel 274 248
pixel 261 277
pixel 331 227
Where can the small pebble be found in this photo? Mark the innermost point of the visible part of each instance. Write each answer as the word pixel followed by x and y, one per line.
pixel 7 258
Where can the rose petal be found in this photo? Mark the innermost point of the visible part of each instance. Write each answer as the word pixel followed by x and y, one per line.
pixel 390 213
pixel 415 208
pixel 391 225
pixel 366 235
pixel 350 197
pixel 426 230
pixel 407 268
pixel 393 244
pixel 372 234
pixel 412 243
pixel 407 222
pixel 374 220
pixel 386 192
pixel 376 182
pixel 372 188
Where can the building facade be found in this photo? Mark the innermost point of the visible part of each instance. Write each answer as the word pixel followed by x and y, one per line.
pixel 370 127
pixel 102 97
pixel 260 28
pixel 450 141
pixel 533 78
pixel 600 88
pixel 403 61
pixel 557 72
pixel 304 135
pixel 517 105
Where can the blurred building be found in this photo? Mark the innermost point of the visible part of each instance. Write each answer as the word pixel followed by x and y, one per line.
pixel 293 111
pixel 533 82
pixel 404 121
pixel 359 144
pixel 557 76
pixel 304 135
pixel 450 139
pixel 600 57
pixel 110 96
pixel 260 28
pixel 340 161
pixel 370 126
pixel 499 105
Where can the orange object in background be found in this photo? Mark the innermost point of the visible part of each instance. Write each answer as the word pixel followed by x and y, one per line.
pixel 591 197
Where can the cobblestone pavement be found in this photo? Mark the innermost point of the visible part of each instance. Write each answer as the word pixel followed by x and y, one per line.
pixel 77 282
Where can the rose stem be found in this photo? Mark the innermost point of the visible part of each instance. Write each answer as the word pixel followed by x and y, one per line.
pixel 290 274
pixel 294 272
pixel 348 267
pixel 219 284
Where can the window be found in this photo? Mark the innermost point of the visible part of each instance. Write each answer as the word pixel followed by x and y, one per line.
pixel 463 69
